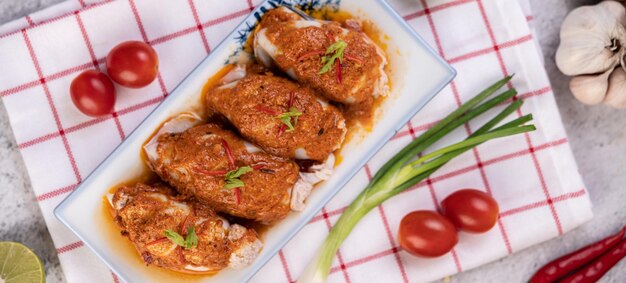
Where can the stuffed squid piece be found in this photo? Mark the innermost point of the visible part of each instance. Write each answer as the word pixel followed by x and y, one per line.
pixel 150 215
pixel 232 176
pixel 281 117
pixel 342 63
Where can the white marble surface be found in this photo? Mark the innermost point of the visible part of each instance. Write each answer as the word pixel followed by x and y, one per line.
pixel 597 135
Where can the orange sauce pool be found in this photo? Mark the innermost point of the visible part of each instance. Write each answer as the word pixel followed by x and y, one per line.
pixel 215 80
pixel 356 125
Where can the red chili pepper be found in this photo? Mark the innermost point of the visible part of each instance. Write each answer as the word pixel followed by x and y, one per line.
pixel 338 71
pixel 562 266
pixel 181 257
pixel 183 225
pixel 292 99
pixel 266 110
pixel 237 195
pixel 229 154
pixel 211 173
pixel 310 54
pixel 595 270
pixel 281 130
pixel 161 240
pixel 352 58
pixel 258 167
pixel 330 36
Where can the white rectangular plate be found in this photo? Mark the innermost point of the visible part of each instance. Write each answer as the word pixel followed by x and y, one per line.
pixel 417 75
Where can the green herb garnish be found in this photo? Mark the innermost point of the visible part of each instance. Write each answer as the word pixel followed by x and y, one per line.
pixel 333 52
pixel 285 118
pixel 232 177
pixel 192 238
pixel 188 243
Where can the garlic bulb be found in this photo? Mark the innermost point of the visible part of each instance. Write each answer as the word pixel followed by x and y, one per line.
pixel 592 39
pixel 616 94
pixel 590 89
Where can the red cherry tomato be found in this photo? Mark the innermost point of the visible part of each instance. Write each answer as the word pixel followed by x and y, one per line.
pixel 426 234
pixel 132 64
pixel 471 210
pixel 93 93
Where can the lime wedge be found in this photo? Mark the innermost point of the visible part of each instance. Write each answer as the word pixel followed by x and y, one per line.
pixel 18 264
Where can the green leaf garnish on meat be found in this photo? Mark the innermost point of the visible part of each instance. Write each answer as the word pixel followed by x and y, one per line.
pixel 192 238
pixel 175 237
pixel 234 183
pixel 333 52
pixel 232 177
pixel 191 241
pixel 286 118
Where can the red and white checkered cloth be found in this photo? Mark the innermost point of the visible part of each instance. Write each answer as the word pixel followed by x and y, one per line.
pixel 533 177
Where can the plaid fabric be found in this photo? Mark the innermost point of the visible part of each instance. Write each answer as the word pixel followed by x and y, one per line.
pixel 533 176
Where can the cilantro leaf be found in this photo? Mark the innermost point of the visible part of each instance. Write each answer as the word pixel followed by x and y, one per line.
pixel 287 121
pixel 232 177
pixel 234 183
pixel 175 237
pixel 192 239
pixel 285 118
pixel 333 52
pixel 188 243
pixel 238 172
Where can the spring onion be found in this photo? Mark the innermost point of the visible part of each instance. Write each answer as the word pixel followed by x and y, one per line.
pixel 403 170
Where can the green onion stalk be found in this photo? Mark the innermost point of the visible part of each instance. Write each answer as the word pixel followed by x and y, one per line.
pixel 402 171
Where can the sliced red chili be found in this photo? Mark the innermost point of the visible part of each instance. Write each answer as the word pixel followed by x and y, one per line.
pixel 229 154
pixel 237 192
pixel 266 110
pixel 292 99
pixel 183 225
pixel 330 36
pixel 157 241
pixel 181 257
pixel 258 167
pixel 310 54
pixel 352 58
pixel 281 129
pixel 338 71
